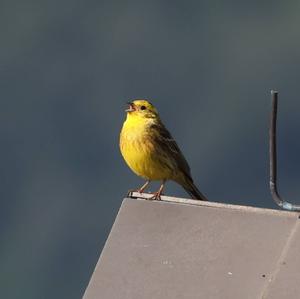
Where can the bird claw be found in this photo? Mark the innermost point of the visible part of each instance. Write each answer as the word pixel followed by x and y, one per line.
pixel 156 196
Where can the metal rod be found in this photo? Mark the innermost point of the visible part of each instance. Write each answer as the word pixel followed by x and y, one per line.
pixel 273 158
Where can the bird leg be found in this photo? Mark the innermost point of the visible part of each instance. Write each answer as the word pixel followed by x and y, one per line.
pixel 157 194
pixel 140 190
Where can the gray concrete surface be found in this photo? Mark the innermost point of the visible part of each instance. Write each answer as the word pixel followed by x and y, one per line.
pixel 179 248
pixel 285 282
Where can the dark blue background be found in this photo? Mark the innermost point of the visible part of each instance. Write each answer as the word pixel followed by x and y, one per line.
pixel 66 70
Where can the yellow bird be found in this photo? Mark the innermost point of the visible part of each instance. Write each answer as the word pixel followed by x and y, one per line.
pixel 150 151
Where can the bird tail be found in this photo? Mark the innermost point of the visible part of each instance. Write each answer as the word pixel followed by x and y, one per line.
pixel 193 191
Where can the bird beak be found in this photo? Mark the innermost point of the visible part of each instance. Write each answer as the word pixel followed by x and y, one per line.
pixel 131 107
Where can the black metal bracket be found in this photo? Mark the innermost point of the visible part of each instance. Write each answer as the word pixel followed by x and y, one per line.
pixel 273 158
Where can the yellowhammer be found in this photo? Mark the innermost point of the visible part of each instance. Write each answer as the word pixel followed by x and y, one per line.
pixel 150 151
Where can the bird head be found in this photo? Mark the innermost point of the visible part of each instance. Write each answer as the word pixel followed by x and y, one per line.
pixel 141 108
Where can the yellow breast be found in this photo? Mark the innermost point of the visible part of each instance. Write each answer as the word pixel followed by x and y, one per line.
pixel 139 152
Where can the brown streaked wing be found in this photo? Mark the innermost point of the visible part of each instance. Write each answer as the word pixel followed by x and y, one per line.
pixel 168 146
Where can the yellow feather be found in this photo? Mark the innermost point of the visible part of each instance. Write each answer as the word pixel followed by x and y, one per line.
pixel 138 150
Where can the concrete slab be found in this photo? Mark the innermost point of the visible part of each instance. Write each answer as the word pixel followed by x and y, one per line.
pixel 191 250
pixel 285 281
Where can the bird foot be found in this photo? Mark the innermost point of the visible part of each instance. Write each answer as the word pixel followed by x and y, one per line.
pixel 156 196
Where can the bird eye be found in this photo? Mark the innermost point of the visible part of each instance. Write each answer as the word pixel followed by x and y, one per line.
pixel 143 107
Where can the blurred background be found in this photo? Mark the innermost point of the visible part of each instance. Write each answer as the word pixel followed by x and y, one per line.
pixel 67 68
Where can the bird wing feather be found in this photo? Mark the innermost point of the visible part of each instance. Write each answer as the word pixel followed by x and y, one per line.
pixel 168 148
